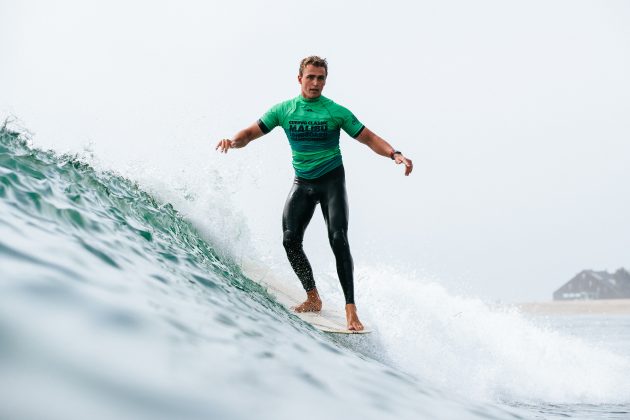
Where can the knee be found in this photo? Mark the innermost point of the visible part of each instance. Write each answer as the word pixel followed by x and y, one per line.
pixel 290 240
pixel 338 240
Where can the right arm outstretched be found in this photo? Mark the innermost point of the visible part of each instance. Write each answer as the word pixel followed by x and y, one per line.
pixel 240 139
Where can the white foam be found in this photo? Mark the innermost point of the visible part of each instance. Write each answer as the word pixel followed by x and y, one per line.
pixel 481 351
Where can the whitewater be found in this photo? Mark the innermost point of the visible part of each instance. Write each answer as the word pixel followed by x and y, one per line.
pixel 119 301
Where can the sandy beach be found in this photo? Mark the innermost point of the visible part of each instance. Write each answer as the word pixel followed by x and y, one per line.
pixel 573 307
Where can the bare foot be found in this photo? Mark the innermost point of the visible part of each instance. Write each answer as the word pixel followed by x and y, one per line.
pixel 312 303
pixel 352 318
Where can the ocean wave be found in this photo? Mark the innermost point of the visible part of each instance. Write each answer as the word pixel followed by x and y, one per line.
pixel 113 304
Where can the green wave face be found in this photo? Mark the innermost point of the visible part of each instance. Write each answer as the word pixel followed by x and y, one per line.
pixel 107 220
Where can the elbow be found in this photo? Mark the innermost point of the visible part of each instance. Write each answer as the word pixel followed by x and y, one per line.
pixel 248 135
pixel 369 142
pixel 365 140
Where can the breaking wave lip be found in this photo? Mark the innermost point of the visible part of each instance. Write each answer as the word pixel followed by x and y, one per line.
pixel 457 344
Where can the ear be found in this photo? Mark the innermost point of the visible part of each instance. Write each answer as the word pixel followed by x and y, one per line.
pixel 299 78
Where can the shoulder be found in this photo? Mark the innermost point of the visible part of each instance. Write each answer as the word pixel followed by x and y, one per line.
pixel 284 106
pixel 276 112
pixel 334 106
pixel 336 110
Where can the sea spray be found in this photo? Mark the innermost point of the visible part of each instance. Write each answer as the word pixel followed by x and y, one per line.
pixel 484 351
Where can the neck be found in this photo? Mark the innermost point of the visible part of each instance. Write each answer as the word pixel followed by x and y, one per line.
pixel 304 98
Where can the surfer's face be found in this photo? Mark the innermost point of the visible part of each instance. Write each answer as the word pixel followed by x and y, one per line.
pixel 312 80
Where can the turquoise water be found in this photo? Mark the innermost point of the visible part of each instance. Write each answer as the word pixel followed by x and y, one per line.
pixel 113 305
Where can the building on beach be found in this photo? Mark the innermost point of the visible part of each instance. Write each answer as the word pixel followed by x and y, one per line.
pixel 591 284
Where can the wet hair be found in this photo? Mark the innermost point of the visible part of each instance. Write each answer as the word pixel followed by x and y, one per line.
pixel 313 60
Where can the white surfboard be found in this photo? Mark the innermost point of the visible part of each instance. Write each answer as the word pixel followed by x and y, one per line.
pixel 328 319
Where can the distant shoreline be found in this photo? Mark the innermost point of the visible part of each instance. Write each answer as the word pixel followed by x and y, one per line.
pixel 577 307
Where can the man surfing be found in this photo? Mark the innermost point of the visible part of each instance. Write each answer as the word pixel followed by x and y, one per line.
pixel 312 124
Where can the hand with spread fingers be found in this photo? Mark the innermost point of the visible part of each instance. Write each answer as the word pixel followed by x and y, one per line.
pixel 224 145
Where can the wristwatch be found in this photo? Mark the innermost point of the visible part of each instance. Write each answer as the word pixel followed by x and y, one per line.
pixel 394 152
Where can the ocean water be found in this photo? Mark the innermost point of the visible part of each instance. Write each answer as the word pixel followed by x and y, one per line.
pixel 113 304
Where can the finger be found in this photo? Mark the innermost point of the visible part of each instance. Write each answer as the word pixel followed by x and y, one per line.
pixel 409 167
pixel 225 145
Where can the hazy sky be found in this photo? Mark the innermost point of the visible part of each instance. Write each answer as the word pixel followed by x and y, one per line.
pixel 516 114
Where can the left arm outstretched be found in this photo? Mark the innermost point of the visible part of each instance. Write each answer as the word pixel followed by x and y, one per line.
pixel 381 147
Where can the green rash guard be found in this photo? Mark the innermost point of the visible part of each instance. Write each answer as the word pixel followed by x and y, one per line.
pixel 313 127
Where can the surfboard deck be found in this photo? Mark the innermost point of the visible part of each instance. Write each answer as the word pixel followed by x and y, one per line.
pixel 327 320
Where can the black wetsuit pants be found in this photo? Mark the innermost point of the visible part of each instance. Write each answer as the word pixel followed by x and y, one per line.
pixel 330 191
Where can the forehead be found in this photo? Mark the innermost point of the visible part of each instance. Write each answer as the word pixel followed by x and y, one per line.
pixel 314 70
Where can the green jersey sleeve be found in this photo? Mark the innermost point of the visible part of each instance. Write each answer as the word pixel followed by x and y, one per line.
pixel 271 119
pixel 348 122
